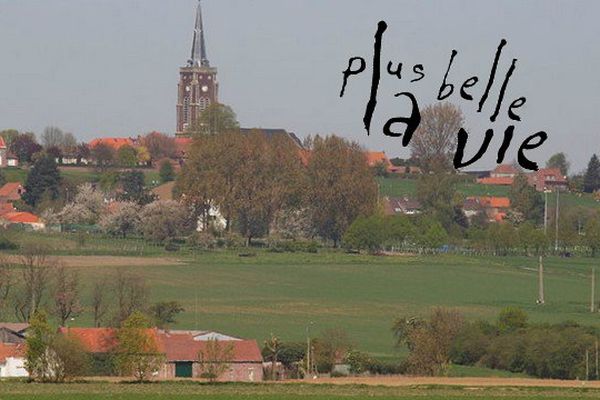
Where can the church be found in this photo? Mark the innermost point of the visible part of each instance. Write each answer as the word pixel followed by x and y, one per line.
pixel 198 88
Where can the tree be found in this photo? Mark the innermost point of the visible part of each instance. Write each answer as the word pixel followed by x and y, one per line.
pixel 137 350
pixel 72 359
pixel 66 295
pixel 43 180
pixel 331 346
pixel 130 293
pixel 52 137
pixel 6 282
pixel 134 188
pixel 38 340
pixel 592 235
pixel 123 219
pixel 24 146
pixel 559 160
pixel 215 358
pixel 271 352
pixel 36 271
pixel 82 152
pixel 164 312
pixel 2 178
pixel 434 141
pixel 103 155
pixel 439 198
pixel 216 119
pixel 591 179
pixel 511 318
pixel 127 156
pixel 340 186
pixel 86 208
pixel 166 172
pixel 430 342
pixel 164 220
pixel 99 302
pixel 9 135
pixel 526 200
pixel 159 145
pixel 366 233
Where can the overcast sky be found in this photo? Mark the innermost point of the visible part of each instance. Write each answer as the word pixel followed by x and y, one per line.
pixel 110 67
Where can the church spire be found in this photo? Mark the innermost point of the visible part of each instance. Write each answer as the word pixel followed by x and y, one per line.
pixel 199 58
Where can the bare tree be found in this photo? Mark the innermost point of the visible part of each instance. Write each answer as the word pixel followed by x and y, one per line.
pixel 66 295
pixel 35 278
pixel 435 140
pixel 6 281
pixel 99 303
pixel 131 294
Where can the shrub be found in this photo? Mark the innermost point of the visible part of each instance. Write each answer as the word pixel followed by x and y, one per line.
pixel 6 244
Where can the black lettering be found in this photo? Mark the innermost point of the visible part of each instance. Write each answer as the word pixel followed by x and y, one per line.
pixel 462 142
pixel 503 89
pixel 528 145
pixel 515 104
pixel 492 75
pixel 508 135
pixel 372 103
pixel 349 71
pixel 412 122
pixel 445 85
pixel 397 72
pixel 468 83
pixel 418 70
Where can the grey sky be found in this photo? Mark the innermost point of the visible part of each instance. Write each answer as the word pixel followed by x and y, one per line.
pixel 110 67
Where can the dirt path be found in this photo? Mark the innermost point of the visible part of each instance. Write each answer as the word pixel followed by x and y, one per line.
pixel 470 382
pixel 109 261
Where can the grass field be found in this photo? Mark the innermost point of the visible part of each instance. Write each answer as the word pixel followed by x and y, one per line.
pixel 290 391
pixel 75 175
pixel 284 293
pixel 397 187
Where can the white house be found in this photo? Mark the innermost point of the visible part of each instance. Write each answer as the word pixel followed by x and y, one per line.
pixel 12 361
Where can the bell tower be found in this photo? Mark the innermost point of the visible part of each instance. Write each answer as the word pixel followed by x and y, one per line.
pixel 198 87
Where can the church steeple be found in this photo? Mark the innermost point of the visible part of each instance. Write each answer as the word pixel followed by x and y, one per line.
pixel 199 58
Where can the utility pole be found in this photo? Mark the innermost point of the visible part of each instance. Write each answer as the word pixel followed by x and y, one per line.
pixel 541 282
pixel 587 365
pixel 593 296
pixel 557 211
pixel 597 376
pixel 308 350
pixel 545 211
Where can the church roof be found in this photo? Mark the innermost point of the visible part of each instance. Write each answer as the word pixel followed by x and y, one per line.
pixel 199 57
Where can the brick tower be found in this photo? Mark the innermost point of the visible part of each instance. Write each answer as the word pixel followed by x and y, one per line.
pixel 198 87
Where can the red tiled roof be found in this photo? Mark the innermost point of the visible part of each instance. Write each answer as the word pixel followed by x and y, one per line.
pixel 11 350
pixel 183 347
pixel 95 340
pixel 505 169
pixel 6 208
pixel 115 143
pixel 21 217
pixel 2 143
pixel 11 190
pixel 507 181
pixel 377 157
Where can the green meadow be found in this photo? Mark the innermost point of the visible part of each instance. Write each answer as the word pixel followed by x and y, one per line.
pixel 289 294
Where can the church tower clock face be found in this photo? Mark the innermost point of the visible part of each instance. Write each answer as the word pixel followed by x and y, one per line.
pixel 205 89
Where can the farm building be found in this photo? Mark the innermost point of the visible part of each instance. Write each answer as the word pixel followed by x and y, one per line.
pixel 13 332
pixel 12 361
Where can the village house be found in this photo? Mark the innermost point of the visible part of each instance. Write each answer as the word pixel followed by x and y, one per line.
pixel 503 175
pixel 401 205
pixel 494 208
pixel 24 219
pixel 13 332
pixel 12 360
pixel 181 350
pixel 548 179
pixel 11 191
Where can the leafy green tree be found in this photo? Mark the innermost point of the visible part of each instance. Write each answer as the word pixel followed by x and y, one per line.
pixel 127 156
pixel 591 179
pixel 216 119
pixel 103 155
pixel 166 171
pixel 72 359
pixel 341 186
pixel 43 180
pixel 559 160
pixel 137 351
pixel 439 199
pixel 271 352
pixel 592 235
pixel 526 200
pixel 134 188
pixel 215 358
pixel 40 335
pixel 511 318
pixel 532 239
pixel 365 233
pixel 398 228
pixel 2 178
pixel 164 312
